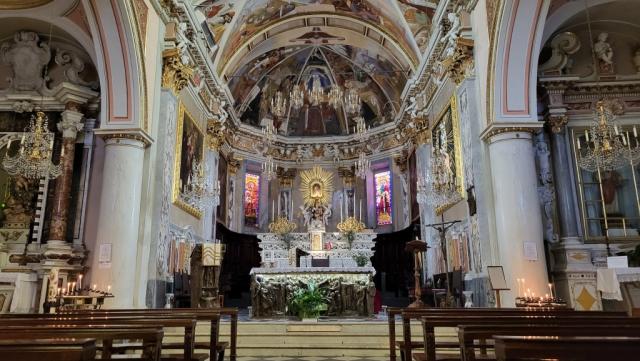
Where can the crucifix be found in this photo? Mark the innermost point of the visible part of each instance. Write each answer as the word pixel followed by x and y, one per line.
pixel 442 228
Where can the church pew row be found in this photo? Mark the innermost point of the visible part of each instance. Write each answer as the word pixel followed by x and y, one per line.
pixel 407 314
pixel 583 348
pixel 106 334
pixel 230 312
pixel 430 323
pixel 472 337
pixel 56 349
pixel 188 325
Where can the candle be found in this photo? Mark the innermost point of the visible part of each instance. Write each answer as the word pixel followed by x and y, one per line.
pixel 354 202
pixel 59 292
pixel 586 135
pixel 109 289
pixel 80 282
pixel 360 210
pixel 273 210
pixel 341 206
pixel 551 290
pixel 635 132
pixel 62 152
pixel 22 140
pixel 578 143
pixel 279 209
pixel 528 292
pixel 95 287
pixel 615 128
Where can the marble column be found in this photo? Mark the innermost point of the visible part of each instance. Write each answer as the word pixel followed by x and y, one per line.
pixel 517 211
pixel 212 159
pixel 427 214
pixel 69 126
pixel 115 254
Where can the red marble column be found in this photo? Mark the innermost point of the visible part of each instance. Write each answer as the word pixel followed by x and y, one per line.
pixel 70 124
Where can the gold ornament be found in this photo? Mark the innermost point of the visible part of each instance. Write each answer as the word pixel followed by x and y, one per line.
pixel 282 226
pixel 351 225
pixel 316 187
pixel 175 74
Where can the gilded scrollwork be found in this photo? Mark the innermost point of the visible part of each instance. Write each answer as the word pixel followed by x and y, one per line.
pixel 176 73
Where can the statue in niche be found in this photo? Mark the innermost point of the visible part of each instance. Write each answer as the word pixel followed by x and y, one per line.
pixel 18 211
pixel 546 192
pixel 604 53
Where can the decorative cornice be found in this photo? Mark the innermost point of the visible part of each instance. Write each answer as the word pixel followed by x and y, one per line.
pixel 233 165
pixel 286 177
pixel 216 134
pixel 132 134
pixel 460 65
pixel 516 127
pixel 175 74
pixel 401 161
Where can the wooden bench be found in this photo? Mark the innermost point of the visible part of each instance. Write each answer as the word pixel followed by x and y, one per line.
pixel 106 334
pixel 50 349
pixel 188 324
pixel 408 314
pixel 583 348
pixel 472 337
pixel 230 312
pixel 430 323
pixel 201 315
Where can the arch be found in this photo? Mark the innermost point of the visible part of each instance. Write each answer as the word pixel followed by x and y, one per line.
pixel 516 60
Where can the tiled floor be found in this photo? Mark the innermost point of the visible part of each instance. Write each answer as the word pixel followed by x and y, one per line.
pixel 311 359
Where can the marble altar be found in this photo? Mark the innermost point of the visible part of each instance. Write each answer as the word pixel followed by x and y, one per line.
pixel 349 290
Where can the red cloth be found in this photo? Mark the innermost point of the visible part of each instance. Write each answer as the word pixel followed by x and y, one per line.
pixel 377 302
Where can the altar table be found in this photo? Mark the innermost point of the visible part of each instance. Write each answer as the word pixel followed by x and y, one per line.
pixel 349 291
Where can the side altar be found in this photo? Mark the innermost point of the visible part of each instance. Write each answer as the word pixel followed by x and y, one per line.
pixel 336 263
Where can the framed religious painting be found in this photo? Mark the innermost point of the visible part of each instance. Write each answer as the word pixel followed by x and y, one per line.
pixel 189 153
pixel 446 157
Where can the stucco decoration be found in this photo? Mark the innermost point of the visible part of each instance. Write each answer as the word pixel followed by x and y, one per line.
pixel 73 66
pixel 546 190
pixel 27 57
pixel 562 46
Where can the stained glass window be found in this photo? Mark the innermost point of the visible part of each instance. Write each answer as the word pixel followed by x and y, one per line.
pixel 383 197
pixel 251 199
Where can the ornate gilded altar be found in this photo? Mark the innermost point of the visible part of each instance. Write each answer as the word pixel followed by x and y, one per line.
pixel 349 290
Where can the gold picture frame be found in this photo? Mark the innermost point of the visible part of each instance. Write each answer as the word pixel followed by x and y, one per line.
pixel 189 135
pixel 449 120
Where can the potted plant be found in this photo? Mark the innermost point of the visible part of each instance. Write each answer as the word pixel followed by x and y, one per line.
pixel 361 260
pixel 308 303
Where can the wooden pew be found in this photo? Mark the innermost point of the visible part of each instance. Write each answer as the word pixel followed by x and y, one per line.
pixel 200 314
pixel 583 348
pixel 50 349
pixel 469 334
pixel 407 314
pixel 430 323
pixel 106 334
pixel 188 324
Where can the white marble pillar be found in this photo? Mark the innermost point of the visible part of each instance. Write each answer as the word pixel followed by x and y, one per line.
pixel 212 159
pixel 427 214
pixel 119 219
pixel 518 216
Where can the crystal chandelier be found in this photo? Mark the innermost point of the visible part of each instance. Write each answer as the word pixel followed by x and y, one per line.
pixel 335 96
pixel 440 186
pixel 362 166
pixel 279 105
pixel 361 131
pixel 296 97
pixel 33 160
pixel 606 146
pixel 316 93
pixel 352 102
pixel 269 168
pixel 269 132
pixel 200 192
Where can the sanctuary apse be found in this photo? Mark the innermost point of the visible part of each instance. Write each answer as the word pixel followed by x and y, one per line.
pixel 308 142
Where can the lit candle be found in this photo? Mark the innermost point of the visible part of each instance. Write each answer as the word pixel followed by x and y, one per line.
pixel 95 287
pixel 59 292
pixel 546 296
pixel 586 135
pixel 551 290
pixel 109 289
pixel 635 132
pixel 22 140
pixel 624 139
pixel 578 143
pixel 615 128
pixel 529 292
pixel 80 282
pixel 62 152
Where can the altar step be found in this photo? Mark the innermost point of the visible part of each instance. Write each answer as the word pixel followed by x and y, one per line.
pixel 324 339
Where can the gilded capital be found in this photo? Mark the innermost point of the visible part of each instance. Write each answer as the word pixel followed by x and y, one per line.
pixel 557 122
pixel 233 165
pixel 216 134
pixel 175 74
pixel 401 162
pixel 459 62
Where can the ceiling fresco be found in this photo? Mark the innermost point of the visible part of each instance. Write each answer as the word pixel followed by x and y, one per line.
pixel 261 46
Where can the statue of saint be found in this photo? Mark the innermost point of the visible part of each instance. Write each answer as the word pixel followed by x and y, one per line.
pixel 604 52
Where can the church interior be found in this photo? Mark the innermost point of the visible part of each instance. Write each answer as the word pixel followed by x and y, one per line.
pixel 319 180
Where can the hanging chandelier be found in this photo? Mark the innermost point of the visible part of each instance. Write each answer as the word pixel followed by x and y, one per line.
pixel 200 192
pixel 335 96
pixel 440 185
pixel 269 168
pixel 352 102
pixel 33 160
pixel 296 97
pixel 362 166
pixel 316 93
pixel 606 146
pixel 269 132
pixel 361 130
pixel 279 105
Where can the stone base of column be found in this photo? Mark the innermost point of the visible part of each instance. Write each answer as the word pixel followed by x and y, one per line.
pixel 575 276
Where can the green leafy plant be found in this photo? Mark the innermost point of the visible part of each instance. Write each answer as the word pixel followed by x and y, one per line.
pixel 361 260
pixel 308 302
